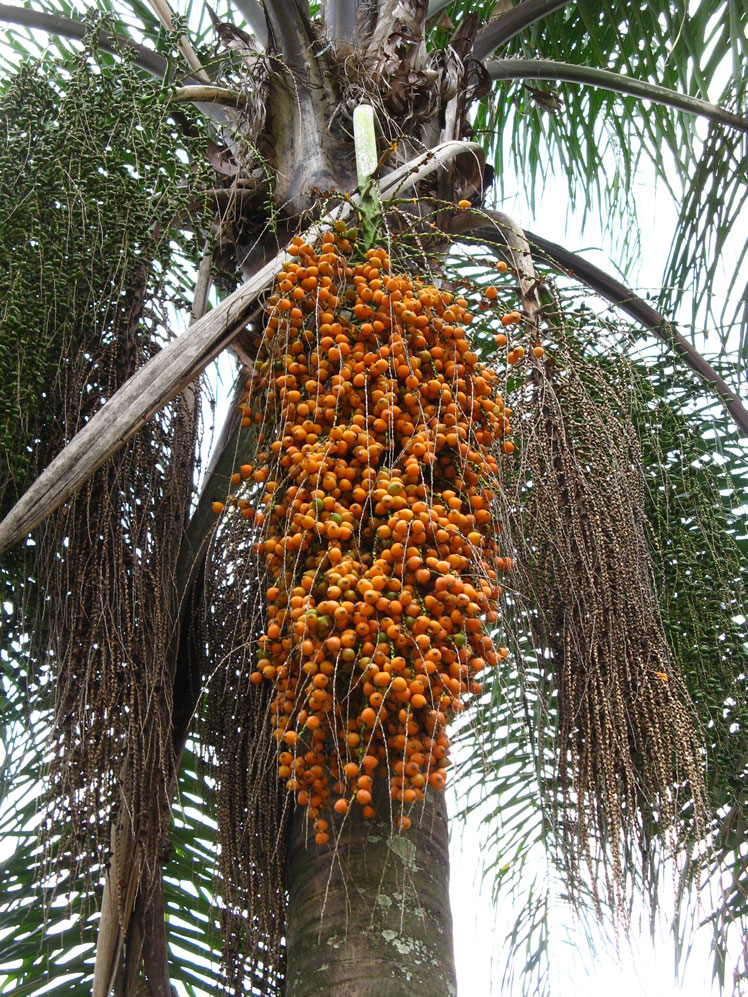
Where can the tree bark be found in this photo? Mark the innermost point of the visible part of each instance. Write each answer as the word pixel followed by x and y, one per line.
pixel 369 914
pixel 304 146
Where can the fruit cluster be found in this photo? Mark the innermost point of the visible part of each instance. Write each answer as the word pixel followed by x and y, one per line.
pixel 373 493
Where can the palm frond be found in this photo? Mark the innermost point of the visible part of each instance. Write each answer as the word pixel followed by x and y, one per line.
pixel 598 141
pixel 695 466
pixel 707 263
pixel 49 946
pixel 503 791
pixel 59 27
pixel 512 21
pixel 507 747
pixel 695 473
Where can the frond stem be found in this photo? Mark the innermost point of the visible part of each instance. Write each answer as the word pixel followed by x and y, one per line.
pixel 209 95
pixel 339 19
pixel 254 16
pixel 66 27
pixel 164 14
pixel 507 25
pixel 643 313
pixel 548 69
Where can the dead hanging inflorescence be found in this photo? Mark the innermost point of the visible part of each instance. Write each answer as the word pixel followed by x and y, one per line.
pixel 251 812
pixel 111 600
pixel 629 757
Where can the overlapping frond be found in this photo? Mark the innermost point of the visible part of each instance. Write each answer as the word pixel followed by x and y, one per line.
pixel 50 947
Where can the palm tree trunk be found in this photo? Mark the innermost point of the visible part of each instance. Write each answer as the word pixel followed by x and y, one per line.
pixel 369 914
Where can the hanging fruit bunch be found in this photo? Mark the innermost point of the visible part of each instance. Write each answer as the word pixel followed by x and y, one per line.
pixel 372 495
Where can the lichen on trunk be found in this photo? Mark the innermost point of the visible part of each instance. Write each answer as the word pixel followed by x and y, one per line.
pixel 369 915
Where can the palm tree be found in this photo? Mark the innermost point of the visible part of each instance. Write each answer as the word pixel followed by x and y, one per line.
pixel 173 157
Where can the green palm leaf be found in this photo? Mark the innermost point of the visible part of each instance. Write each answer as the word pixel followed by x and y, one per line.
pixel 599 140
pixel 55 941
